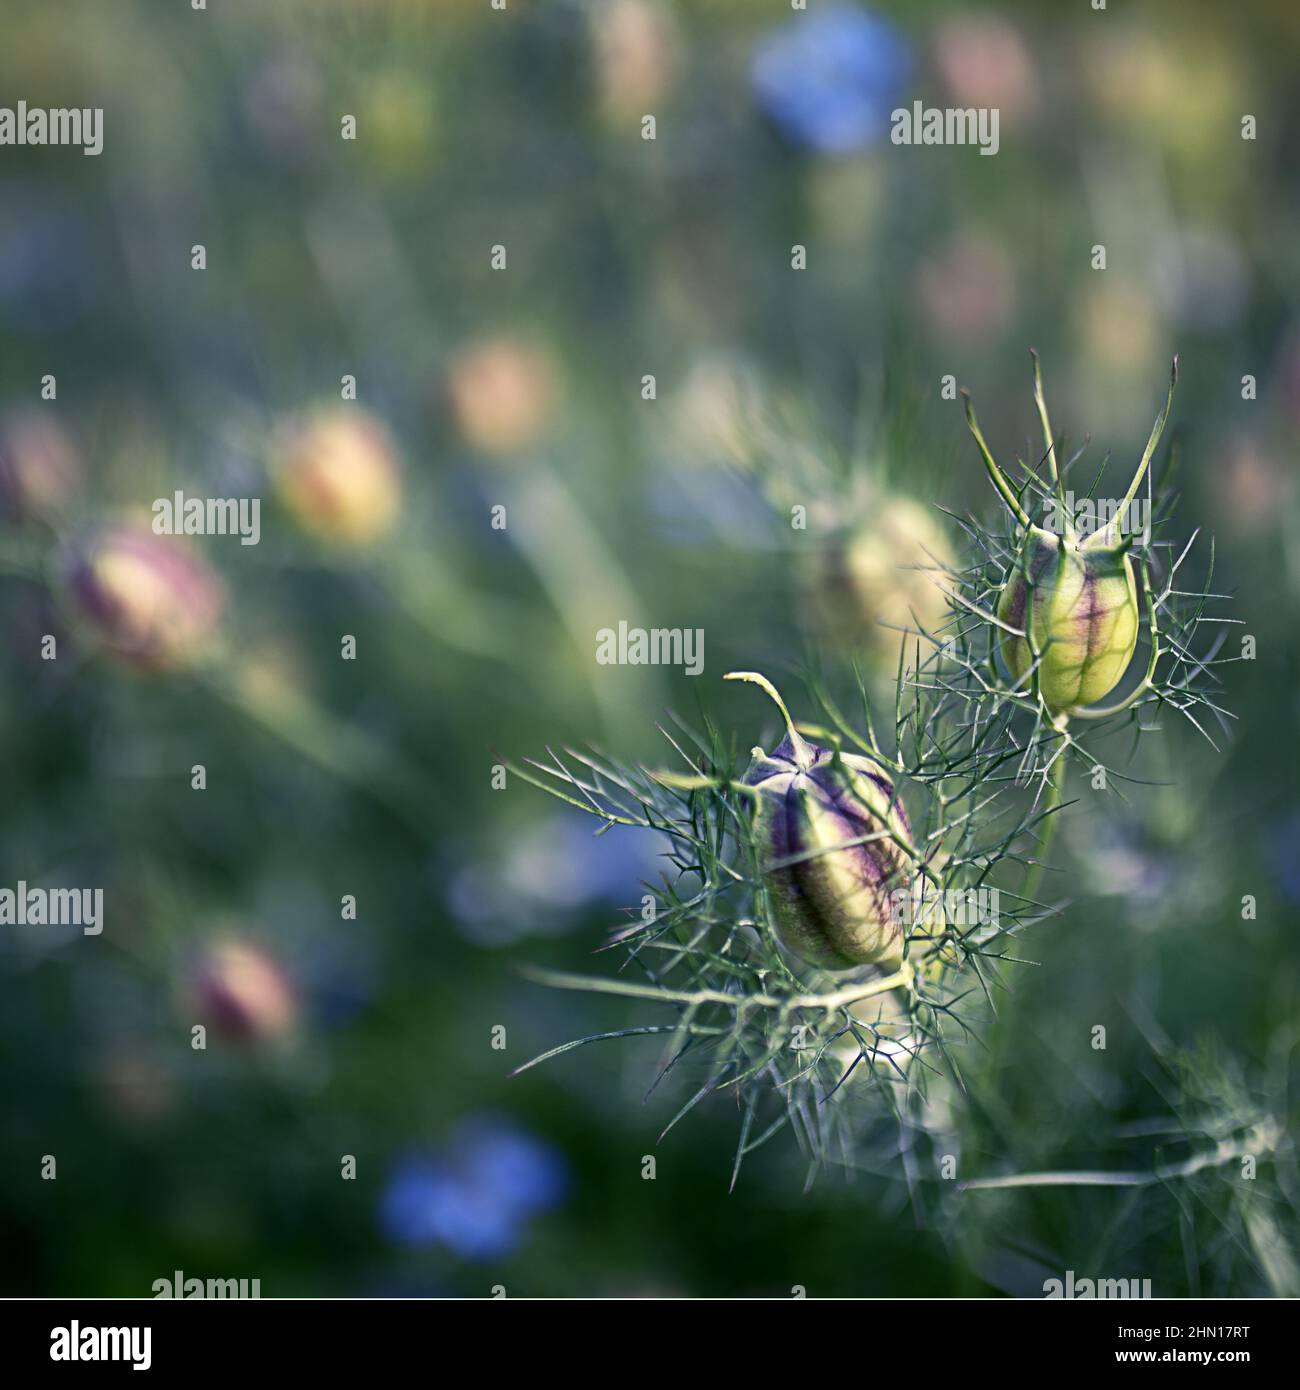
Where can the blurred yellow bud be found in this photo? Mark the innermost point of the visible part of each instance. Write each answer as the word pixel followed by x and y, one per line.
pixel 885 575
pixel 336 470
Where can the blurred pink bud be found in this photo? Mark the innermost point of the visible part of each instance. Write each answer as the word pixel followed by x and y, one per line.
pixel 984 62
pixel 239 991
pixel 40 467
pixel 968 289
pixel 134 1087
pixel 502 392
pixel 151 600
pixel 635 48
pixel 1251 487
pixel 336 469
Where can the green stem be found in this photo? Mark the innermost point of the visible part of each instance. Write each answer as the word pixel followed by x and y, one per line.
pixel 474 623
pixel 834 999
pixel 1055 784
pixel 1112 527
pixel 996 475
pixel 20 560
pixel 1262 1138
pixel 803 753
pixel 355 758
pixel 1049 440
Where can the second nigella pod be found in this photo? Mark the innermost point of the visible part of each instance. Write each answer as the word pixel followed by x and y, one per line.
pixel 832 837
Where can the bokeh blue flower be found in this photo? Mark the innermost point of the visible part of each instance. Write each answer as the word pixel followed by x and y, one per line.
pixel 477 1195
pixel 545 877
pixel 47 258
pixel 830 78
pixel 1285 849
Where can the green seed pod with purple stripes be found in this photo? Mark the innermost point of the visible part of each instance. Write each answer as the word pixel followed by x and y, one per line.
pixel 832 837
pixel 1077 604
pixel 1068 613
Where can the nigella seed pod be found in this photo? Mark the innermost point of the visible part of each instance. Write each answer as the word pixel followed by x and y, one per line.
pixel 832 837
pixel 1077 604
pixel 1068 613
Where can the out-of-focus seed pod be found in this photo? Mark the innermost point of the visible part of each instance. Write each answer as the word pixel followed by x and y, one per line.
pixel 832 837
pixel 1137 80
pixel 40 467
pixel 884 580
pixel 239 991
pixel 399 118
pixel 1069 609
pixel 635 50
pixel 337 474
pixel 502 392
pixel 709 418
pixel 151 600
pixel 133 1086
